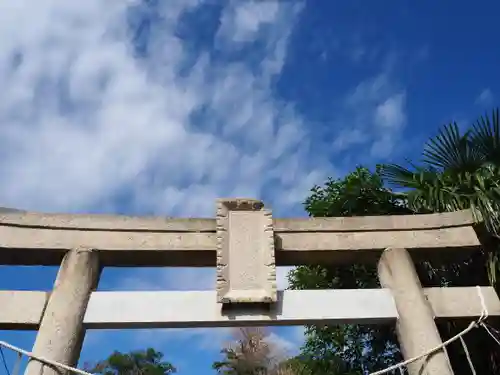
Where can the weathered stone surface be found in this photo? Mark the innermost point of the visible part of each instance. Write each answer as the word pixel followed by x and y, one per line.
pixel 21 309
pixel 246 269
pixel 28 238
pixel 61 331
pixel 178 309
pixel 417 333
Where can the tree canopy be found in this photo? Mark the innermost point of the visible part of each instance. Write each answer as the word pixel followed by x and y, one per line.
pixel 249 354
pixel 253 352
pixel 352 348
pixel 458 171
pixel 139 362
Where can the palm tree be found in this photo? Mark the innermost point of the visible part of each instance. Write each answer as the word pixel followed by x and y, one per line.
pixel 460 170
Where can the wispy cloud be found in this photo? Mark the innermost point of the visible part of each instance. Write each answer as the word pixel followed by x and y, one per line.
pixel 373 116
pixel 171 279
pixel 485 98
pixel 93 120
pixel 241 22
pixel 390 114
pixel 85 120
pixel 112 106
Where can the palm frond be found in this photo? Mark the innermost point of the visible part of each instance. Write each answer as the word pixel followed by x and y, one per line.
pixel 451 151
pixel 432 191
pixel 485 136
pixel 459 171
pixel 397 175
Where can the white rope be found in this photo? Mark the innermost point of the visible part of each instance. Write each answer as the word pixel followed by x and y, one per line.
pixel 489 333
pixel 484 309
pixel 44 360
pixel 17 365
pixel 467 355
pixel 472 325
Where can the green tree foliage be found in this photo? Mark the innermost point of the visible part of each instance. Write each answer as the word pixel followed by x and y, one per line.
pixel 461 170
pixel 360 193
pixel 458 171
pixel 140 362
pixel 353 348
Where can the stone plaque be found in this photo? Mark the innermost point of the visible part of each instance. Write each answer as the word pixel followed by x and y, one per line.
pixel 246 270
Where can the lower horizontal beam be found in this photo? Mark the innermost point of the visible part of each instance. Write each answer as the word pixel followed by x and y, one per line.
pixel 22 310
pixel 462 302
pixel 172 309
pixel 199 309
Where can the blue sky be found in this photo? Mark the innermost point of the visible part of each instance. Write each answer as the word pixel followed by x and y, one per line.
pixel 159 107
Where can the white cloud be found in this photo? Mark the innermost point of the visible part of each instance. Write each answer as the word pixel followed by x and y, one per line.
pixel 242 20
pixel 485 98
pixel 83 119
pixel 373 116
pixel 389 119
pixel 88 125
pixel 202 338
pixel 390 114
pixel 370 91
pixel 286 346
pixel 176 279
pixel 349 138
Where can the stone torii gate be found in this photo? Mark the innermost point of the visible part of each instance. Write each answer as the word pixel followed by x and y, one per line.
pixel 246 244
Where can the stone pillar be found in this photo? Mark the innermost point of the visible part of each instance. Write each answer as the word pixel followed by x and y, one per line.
pixel 61 331
pixel 416 329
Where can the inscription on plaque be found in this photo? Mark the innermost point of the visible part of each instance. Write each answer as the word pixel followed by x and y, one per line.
pixel 246 270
